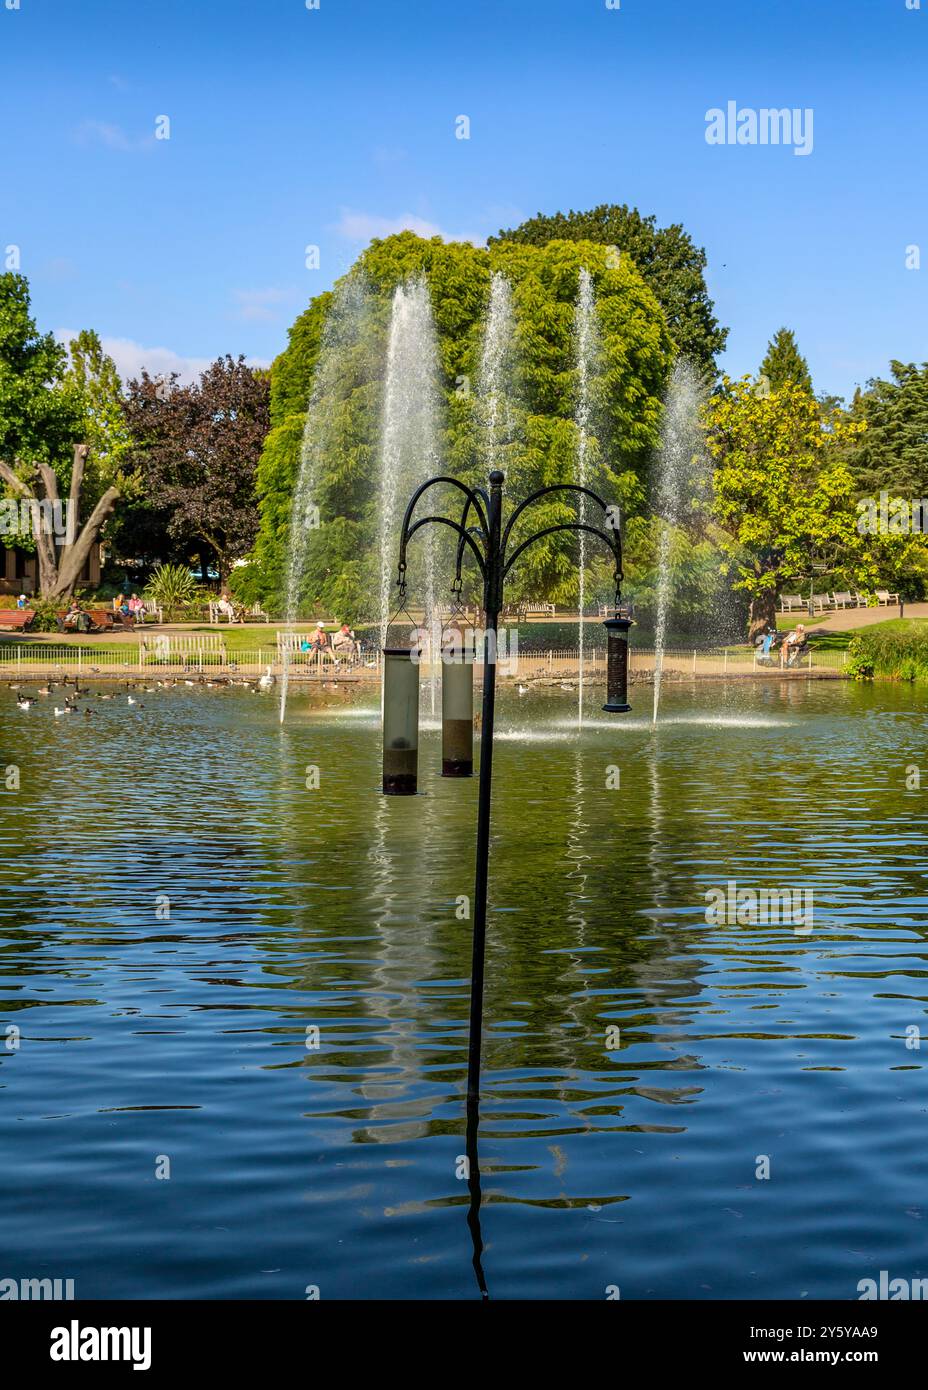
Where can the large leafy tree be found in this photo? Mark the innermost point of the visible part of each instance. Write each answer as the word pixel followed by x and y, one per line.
pixel 667 259
pixel 62 438
pixel 784 494
pixel 541 445
pixel 784 364
pixel 196 449
pixel 892 453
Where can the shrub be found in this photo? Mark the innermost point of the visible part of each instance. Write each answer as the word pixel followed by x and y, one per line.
pixel 900 652
pixel 173 588
pixel 859 664
pixel 46 615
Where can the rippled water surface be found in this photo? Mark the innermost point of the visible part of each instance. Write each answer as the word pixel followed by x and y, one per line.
pixel 146 1038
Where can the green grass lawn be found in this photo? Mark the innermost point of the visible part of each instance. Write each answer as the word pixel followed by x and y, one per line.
pixel 254 636
pixel 895 627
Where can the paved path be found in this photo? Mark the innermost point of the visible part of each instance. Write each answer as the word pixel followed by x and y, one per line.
pixel 847 619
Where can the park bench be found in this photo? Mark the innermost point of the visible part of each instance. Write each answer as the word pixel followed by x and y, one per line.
pixel 187 649
pixel 101 620
pixel 792 603
pixel 16 619
pixel 844 600
pixel 289 653
pixel 884 597
pixel 216 615
pixel 539 610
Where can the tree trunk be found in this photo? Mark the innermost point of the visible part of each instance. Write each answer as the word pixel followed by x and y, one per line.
pixel 75 556
pixel 763 614
pixel 58 573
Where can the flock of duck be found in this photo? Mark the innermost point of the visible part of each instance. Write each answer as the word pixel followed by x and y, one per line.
pixel 71 691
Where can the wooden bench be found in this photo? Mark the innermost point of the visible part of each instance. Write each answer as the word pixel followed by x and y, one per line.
pixel 101 620
pixel 185 650
pixel 16 619
pixel 215 614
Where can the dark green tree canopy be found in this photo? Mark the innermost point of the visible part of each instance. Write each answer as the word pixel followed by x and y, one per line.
pixel 784 364
pixel 667 259
pixel 892 453
pixel 627 392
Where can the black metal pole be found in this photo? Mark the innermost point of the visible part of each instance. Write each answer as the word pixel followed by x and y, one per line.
pixel 492 603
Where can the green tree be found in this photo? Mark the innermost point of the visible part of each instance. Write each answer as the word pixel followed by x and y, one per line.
pixel 667 259
pixel 892 453
pixel 197 447
pixel 48 411
pixel 784 494
pixel 628 386
pixel 92 377
pixel 784 364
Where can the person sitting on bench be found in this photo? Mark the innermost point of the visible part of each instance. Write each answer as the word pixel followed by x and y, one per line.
pixel 794 646
pixel 320 642
pixel 76 618
pixel 344 642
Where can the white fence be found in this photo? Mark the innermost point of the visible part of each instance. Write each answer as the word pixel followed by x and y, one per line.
pixel 86 660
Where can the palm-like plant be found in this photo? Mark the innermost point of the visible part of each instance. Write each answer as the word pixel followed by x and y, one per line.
pixel 172 587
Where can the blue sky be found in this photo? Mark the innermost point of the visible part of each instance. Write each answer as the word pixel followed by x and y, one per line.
pixel 292 127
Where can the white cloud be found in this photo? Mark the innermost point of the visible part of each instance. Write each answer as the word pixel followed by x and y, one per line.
pixel 130 357
pixel 112 136
pixel 259 304
pixel 364 226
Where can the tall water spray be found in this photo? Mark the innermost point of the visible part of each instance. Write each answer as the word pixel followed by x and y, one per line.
pixel 586 355
pixel 494 387
pixel 409 450
pixel 344 329
pixel 678 466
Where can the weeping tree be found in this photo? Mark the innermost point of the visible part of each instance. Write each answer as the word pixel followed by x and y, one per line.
pixel 50 397
pixel 540 443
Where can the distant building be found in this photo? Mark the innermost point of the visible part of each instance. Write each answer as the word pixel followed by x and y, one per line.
pixel 19 571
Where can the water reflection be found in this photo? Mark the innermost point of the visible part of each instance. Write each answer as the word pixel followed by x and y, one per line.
pixel 292 908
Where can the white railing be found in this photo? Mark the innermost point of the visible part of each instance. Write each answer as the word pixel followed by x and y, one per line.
pixel 86 660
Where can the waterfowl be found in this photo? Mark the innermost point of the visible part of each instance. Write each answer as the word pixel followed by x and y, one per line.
pixel 267 681
pixel 68 709
pixel 24 703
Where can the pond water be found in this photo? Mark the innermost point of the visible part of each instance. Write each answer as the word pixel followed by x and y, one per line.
pixel 147 1040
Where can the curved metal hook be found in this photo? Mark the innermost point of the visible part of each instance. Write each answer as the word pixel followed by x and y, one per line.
pixel 613 543
pixel 472 500
pixel 544 492
pixel 455 526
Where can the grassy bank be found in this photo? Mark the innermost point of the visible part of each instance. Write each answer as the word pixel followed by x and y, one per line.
pixel 898 649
